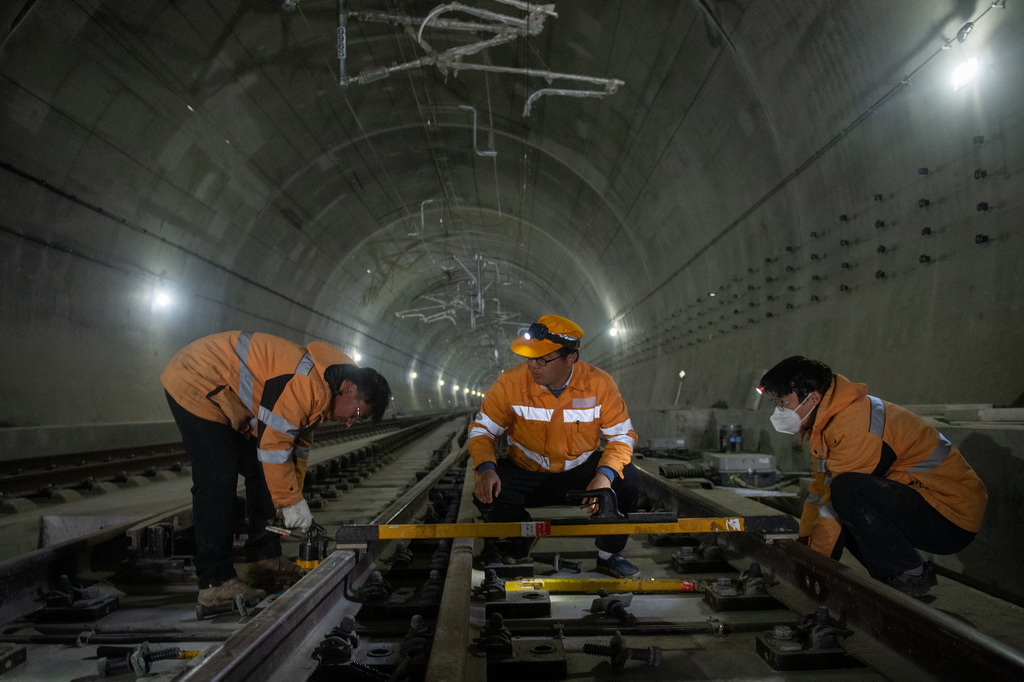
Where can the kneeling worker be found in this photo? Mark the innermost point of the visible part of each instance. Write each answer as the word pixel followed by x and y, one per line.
pixel 246 404
pixel 885 484
pixel 555 410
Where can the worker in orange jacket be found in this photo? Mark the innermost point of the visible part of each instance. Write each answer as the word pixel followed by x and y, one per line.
pixel 885 482
pixel 555 411
pixel 246 404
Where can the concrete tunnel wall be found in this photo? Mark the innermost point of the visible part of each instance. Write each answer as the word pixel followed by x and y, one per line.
pixel 106 191
pixel 768 153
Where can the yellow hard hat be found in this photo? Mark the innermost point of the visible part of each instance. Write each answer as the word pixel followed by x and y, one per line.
pixel 548 334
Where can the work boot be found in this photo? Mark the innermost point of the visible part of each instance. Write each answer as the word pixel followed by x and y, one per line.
pixel 914 585
pixel 272 574
pixel 225 593
pixel 618 566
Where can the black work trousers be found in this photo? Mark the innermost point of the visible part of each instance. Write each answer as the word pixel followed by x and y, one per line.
pixel 218 455
pixel 886 522
pixel 521 488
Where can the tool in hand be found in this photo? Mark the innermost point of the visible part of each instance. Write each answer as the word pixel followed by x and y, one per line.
pixel 312 545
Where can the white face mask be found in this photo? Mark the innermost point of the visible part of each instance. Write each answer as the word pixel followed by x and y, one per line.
pixel 786 420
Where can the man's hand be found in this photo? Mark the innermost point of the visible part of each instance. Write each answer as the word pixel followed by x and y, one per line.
pixel 297 516
pixel 599 481
pixel 487 486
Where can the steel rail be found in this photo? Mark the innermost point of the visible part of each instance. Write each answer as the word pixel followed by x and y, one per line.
pixel 24 577
pixel 29 476
pixel 929 639
pixel 916 640
pixel 448 660
pixel 277 633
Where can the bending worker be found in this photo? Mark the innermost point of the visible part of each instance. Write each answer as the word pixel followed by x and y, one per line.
pixel 555 411
pixel 246 404
pixel 886 483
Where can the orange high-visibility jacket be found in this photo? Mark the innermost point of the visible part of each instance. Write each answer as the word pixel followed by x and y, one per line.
pixel 546 433
pixel 263 385
pixel 856 432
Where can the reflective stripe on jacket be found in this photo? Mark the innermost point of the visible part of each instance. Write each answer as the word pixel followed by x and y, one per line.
pixel 264 385
pixel 856 432
pixel 546 433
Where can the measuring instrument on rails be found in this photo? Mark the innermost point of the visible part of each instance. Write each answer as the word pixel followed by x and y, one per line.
pixel 607 520
pixel 591 585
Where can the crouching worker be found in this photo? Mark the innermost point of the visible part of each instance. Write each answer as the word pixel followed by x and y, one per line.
pixel 885 483
pixel 246 404
pixel 555 410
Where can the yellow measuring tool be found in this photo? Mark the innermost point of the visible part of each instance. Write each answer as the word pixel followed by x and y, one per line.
pixel 607 520
pixel 591 585
pixel 358 535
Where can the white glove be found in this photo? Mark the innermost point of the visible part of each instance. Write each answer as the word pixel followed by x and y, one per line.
pixel 298 516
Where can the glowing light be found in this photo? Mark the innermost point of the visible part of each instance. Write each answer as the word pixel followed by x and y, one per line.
pixel 456 387
pixel 163 297
pixel 964 73
pixel 682 373
pixel 465 390
pixel 614 331
pixel 356 356
pixel 440 382
pixel 413 375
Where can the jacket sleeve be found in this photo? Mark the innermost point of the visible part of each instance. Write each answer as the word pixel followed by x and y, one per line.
pixel 280 427
pixel 617 428
pixel 491 421
pixel 817 522
pixel 850 447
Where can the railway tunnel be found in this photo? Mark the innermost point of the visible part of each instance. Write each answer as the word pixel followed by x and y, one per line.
pixel 704 187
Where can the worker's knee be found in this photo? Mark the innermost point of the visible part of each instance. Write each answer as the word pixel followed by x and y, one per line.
pixel 628 489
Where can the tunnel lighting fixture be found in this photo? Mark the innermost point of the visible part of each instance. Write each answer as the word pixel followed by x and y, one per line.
pixel 190 108
pixel 456 387
pixel 162 298
pixel 440 382
pixel 711 293
pixel 465 390
pixel 413 375
pixel 357 356
pixel 965 73
pixel 614 331
pixel 679 388
pixel 964 31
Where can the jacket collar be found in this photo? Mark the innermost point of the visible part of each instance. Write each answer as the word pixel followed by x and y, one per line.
pixel 840 395
pixel 579 380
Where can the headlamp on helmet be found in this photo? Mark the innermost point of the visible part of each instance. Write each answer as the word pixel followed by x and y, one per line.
pixel 540 332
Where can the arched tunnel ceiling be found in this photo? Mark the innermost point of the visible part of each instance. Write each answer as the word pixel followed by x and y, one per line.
pixel 423 217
